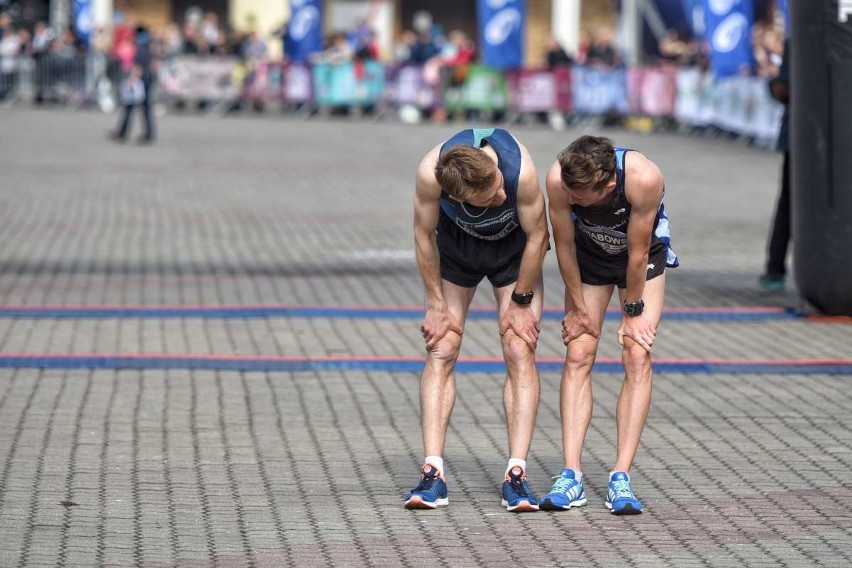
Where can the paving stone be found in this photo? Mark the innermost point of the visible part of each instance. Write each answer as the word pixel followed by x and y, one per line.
pixel 161 467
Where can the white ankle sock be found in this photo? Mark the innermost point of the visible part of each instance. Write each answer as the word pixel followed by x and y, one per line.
pixel 516 461
pixel 437 462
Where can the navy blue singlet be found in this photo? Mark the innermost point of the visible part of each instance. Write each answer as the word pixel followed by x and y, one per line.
pixel 488 223
pixel 602 231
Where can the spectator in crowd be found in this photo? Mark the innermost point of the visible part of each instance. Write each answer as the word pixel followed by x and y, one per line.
pixel 584 45
pixel 365 46
pixel 458 53
pixel 458 49
pixel 11 49
pixel 363 41
pixel 221 46
pixel 403 47
pixel 610 231
pixel 676 48
pixel 210 28
pixel 779 239
pixel 68 45
pixel 338 50
pixel 424 49
pixel 190 40
pixel 555 55
pixel 768 47
pixel 479 212
pixel 602 53
pixel 124 52
pixel 253 48
pixel 43 37
pixel 172 41
pixel 143 60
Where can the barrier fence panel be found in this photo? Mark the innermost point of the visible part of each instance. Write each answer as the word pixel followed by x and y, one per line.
pixel 407 86
pixel 539 90
pixel 484 89
pixel 564 80
pixel 599 91
pixel 297 84
pixel 191 78
pixel 66 79
pixel 738 104
pixel 652 91
pixel 357 84
pixel 264 82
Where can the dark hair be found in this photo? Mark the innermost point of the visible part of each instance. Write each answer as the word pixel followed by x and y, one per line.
pixel 465 171
pixel 588 163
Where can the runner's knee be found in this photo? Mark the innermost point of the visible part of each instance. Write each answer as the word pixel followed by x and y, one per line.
pixel 634 356
pixel 581 354
pixel 514 347
pixel 448 347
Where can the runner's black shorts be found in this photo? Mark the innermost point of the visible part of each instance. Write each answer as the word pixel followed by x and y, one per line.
pixel 598 270
pixel 466 260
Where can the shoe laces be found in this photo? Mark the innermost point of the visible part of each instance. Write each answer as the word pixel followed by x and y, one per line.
pixel 622 488
pixel 427 483
pixel 563 483
pixel 518 483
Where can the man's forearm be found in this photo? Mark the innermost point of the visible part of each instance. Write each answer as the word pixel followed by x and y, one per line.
pixel 429 263
pixel 637 269
pixel 531 261
pixel 569 269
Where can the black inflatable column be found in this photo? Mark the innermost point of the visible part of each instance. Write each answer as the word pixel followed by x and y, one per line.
pixel 821 152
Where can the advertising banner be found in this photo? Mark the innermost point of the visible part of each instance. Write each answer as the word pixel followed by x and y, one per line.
pixel 501 32
pixel 598 91
pixel 484 89
pixel 340 85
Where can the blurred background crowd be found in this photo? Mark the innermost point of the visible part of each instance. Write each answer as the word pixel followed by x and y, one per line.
pixel 416 64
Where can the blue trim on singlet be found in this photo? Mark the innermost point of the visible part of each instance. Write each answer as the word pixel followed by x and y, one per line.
pixel 661 229
pixel 490 223
pixel 619 168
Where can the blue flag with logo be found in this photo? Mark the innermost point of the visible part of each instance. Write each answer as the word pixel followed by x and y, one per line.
pixel 501 32
pixel 728 29
pixel 304 30
pixel 84 20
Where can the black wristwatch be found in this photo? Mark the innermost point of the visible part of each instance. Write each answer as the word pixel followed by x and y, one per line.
pixel 522 299
pixel 634 309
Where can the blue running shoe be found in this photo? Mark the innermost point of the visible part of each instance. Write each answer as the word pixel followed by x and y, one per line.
pixel 430 493
pixel 567 492
pixel 619 495
pixel 517 496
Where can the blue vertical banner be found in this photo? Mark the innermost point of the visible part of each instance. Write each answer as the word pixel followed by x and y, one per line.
pixel 501 32
pixel 304 30
pixel 727 30
pixel 84 19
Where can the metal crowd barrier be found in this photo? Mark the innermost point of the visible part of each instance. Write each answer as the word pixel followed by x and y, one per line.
pixel 685 96
pixel 71 79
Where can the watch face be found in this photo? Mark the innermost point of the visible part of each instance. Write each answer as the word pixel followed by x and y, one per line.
pixel 634 309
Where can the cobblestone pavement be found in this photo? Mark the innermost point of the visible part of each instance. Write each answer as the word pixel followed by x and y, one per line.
pixel 187 461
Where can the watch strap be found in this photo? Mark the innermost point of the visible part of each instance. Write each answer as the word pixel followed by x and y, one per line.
pixel 522 299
